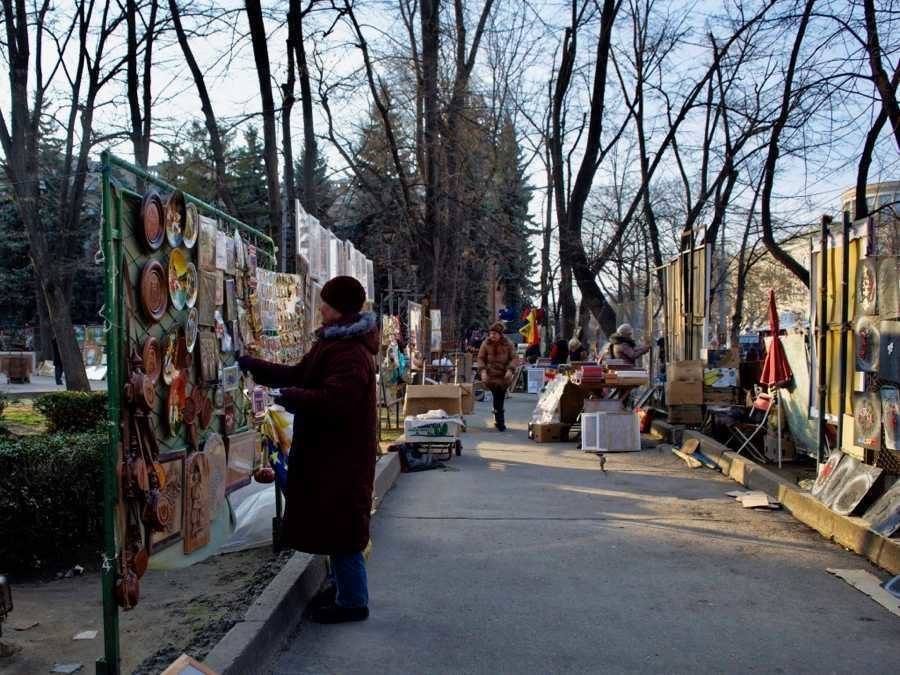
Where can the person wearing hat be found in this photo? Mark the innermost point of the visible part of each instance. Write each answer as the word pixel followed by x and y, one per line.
pixel 331 394
pixel 577 351
pixel 496 359
pixel 622 345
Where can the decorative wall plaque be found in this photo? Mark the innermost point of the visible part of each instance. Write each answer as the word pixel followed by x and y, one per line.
pixel 890 416
pixel 206 301
pixel 209 357
pixel 867 420
pixel 173 492
pixel 206 253
pixel 197 516
pixel 866 287
pixel 214 449
pixel 242 449
pixel 888 288
pixel 889 351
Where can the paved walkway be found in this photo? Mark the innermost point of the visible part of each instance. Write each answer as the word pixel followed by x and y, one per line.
pixel 40 384
pixel 526 558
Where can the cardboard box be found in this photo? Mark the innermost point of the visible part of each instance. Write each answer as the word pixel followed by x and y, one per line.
pixel 685 414
pixel 420 398
pixel 788 450
pixel 434 431
pixel 468 398
pixel 719 396
pixel 550 433
pixel 684 393
pixel 571 402
pixel 593 405
pixel 684 371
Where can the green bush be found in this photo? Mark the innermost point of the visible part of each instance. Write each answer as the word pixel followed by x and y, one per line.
pixel 4 401
pixel 51 497
pixel 73 411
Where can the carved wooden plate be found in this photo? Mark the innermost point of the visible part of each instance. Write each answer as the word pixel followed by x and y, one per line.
pixel 151 354
pixel 153 228
pixel 154 290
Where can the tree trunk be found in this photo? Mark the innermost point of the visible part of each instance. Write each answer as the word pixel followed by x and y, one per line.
pixel 886 88
pixel 270 142
pixel 861 204
pixel 430 19
pixel 310 151
pixel 216 144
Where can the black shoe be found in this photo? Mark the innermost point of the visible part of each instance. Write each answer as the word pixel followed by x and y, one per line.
pixel 324 597
pixel 332 613
pixel 500 421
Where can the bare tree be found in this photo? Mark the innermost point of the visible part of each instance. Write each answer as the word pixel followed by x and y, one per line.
pixel 140 97
pixel 216 144
pixel 886 85
pixel 85 40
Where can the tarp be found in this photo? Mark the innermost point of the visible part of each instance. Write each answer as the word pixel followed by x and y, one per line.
pixel 795 399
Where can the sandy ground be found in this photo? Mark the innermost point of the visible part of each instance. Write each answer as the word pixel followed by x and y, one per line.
pixel 185 610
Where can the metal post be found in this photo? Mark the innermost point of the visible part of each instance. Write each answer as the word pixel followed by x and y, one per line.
pixel 109 663
pixel 845 301
pixel 823 334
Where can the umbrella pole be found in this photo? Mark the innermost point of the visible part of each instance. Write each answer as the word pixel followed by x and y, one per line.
pixel 778 403
pixel 823 335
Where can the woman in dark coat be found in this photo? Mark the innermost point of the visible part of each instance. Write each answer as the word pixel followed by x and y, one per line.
pixel 331 393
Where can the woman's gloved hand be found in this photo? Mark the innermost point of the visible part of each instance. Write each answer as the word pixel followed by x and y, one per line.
pixel 288 398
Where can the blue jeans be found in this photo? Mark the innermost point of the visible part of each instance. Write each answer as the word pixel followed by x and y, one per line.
pixel 348 571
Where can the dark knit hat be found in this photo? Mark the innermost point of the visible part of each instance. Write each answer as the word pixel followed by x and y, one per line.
pixel 498 327
pixel 345 294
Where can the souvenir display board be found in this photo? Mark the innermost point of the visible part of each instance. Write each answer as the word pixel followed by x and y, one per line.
pixel 181 279
pixel 283 307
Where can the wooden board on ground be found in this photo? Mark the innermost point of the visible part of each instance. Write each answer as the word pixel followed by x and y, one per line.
pixel 869 584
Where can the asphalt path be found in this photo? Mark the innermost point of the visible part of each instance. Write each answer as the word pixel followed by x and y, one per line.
pixel 527 558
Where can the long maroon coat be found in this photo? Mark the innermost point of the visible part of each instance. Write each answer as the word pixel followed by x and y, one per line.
pixel 331 393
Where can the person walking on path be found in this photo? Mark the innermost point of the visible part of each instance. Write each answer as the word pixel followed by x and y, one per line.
pixel 331 394
pixel 57 363
pixel 496 359
pixel 622 345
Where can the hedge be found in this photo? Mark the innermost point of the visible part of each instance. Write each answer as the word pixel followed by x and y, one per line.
pixel 51 497
pixel 73 411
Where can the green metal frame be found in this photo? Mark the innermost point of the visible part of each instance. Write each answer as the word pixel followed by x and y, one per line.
pixel 112 238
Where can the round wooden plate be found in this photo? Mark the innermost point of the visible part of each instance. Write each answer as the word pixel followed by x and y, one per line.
pixel 153 226
pixel 154 290
pixel 152 357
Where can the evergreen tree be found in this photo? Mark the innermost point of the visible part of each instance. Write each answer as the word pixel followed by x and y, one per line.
pixel 324 190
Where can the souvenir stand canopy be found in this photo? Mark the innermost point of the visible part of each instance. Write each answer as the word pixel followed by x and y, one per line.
pixel 187 288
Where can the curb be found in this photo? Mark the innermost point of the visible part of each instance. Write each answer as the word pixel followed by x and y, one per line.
pixel 246 648
pixel 849 532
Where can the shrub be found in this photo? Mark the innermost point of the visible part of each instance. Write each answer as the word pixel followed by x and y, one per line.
pixel 73 411
pixel 51 498
pixel 4 401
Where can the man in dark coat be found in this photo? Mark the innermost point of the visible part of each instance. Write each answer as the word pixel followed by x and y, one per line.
pixel 331 393
pixel 496 361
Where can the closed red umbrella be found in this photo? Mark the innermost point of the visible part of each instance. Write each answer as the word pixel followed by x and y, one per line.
pixel 775 372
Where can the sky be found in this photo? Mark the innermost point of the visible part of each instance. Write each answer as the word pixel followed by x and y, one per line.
pixel 804 190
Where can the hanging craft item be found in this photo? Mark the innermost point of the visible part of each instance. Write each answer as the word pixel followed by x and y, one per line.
pixel 890 416
pixel 239 257
pixel 154 290
pixel 236 337
pixel 152 358
pixel 178 279
pixel 251 266
pixel 183 359
pixel 220 288
pixel 888 288
pixel 153 230
pixel 230 257
pixel 175 218
pixel 867 347
pixel 231 376
pixel 242 449
pixel 191 327
pixel 206 251
pixel 214 449
pixel 229 413
pixel 197 517
pixel 203 407
pixel 191 224
pixel 889 352
pixel 175 404
pixel 173 494
pixel 867 420
pixel 206 299
pixel 230 300
pixel 258 401
pixel 209 357
pixel 170 369
pixel 866 287
pixel 192 284
pixel 825 473
pixel 221 251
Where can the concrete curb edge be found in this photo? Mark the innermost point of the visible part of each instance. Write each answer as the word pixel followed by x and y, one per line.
pixel 248 646
pixel 849 532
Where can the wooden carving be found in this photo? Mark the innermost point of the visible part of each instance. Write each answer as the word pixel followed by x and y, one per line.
pixel 172 492
pixel 197 517
pixel 209 357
